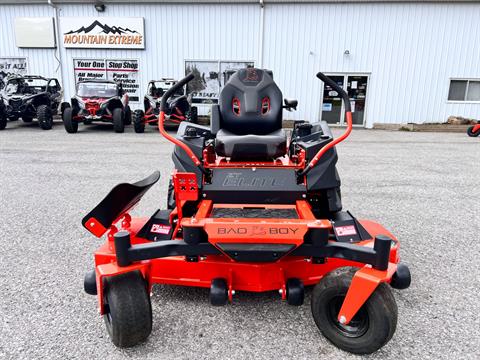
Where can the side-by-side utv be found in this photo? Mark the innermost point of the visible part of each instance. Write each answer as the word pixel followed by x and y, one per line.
pixel 254 211
pixel 98 101
pixel 179 106
pixel 28 97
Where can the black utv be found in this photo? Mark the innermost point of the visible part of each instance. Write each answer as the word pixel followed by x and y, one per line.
pixel 30 97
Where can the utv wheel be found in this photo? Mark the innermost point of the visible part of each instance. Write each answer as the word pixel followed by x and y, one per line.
pixel 71 126
pixel 138 124
pixel 63 106
pixel 218 292
pixel 3 121
pixel 45 117
pixel 27 119
pixel 118 120
pixel 295 292
pixel 471 133
pixel 128 115
pixel 128 315
pixel 371 328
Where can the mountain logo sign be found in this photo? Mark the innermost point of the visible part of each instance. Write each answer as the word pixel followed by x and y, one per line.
pixel 116 33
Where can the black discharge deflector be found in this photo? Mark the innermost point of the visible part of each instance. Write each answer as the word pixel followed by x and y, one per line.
pixel 120 200
pixel 254 186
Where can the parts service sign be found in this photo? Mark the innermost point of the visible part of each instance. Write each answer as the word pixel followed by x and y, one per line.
pixel 121 71
pixel 103 32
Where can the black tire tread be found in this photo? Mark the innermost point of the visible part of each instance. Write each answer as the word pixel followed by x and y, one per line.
pixel 138 123
pixel 45 117
pixel 130 308
pixel 118 120
pixel 70 126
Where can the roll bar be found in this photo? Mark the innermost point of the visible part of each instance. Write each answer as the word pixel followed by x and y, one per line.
pixel 311 164
pixel 348 130
pixel 161 121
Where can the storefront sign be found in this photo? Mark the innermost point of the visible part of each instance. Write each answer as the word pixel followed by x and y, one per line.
pixel 10 66
pixel 103 32
pixel 122 71
pixel 125 72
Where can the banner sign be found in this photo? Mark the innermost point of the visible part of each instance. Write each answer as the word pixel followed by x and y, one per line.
pixel 10 66
pixel 102 32
pixel 210 77
pixel 121 71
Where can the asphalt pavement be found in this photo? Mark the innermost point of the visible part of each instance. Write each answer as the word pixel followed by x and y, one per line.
pixel 421 186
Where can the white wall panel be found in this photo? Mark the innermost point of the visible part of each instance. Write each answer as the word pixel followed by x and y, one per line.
pixel 410 50
pixel 40 61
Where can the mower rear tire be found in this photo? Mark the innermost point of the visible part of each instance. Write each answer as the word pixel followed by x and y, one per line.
pixel 45 117
pixel 118 120
pixel 128 115
pixel 71 126
pixel 138 123
pixel 128 311
pixel 218 292
pixel 295 292
pixel 373 325
pixel 471 133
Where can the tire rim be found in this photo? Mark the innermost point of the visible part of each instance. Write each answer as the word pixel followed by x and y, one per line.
pixel 356 328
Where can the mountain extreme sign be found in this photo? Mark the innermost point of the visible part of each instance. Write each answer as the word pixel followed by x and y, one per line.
pixel 103 32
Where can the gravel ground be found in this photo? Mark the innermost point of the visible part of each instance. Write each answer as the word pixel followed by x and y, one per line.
pixel 419 185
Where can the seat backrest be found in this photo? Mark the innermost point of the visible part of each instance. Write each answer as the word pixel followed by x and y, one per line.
pixel 251 103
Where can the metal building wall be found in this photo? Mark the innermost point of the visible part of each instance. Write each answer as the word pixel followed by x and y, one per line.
pixel 174 33
pixel 40 61
pixel 410 50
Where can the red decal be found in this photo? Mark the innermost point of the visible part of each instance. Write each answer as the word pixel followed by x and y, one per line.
pixel 347 230
pixel 160 229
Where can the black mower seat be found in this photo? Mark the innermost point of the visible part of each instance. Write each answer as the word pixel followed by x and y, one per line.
pixel 250 126
pixel 251 147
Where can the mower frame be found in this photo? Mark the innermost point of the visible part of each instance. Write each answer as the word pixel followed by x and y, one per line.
pixel 250 254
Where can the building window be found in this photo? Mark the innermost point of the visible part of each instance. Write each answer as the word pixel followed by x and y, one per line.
pixel 464 90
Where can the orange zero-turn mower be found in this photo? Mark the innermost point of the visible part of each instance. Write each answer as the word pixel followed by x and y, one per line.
pixel 474 131
pixel 249 209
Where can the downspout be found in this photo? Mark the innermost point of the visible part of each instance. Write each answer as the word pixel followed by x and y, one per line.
pixel 261 33
pixel 58 53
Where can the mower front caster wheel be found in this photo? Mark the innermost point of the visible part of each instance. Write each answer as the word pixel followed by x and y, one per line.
pixel 373 325
pixel 218 292
pixel 128 311
pixel 295 292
